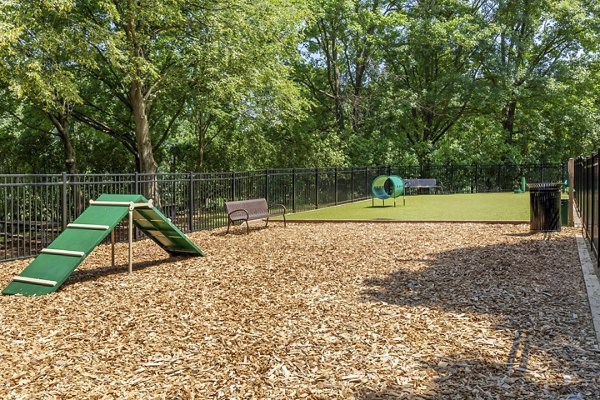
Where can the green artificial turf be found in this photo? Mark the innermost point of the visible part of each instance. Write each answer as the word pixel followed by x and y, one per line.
pixel 443 207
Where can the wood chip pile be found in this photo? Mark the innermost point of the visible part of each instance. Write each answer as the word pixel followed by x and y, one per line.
pixel 316 311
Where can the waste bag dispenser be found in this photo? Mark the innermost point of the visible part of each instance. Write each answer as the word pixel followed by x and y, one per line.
pixel 545 207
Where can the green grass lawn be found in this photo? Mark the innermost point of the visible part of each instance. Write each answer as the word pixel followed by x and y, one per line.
pixel 449 207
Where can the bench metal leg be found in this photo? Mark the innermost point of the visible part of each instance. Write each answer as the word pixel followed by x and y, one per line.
pixel 230 224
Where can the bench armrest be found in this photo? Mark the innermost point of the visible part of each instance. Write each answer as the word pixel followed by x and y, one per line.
pixel 238 219
pixel 280 206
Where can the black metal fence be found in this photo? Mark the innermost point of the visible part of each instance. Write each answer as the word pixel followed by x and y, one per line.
pixel 34 209
pixel 586 184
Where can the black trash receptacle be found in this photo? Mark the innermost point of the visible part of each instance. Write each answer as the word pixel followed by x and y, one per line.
pixel 545 207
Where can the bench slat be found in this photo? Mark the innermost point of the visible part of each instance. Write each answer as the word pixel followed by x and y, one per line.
pixel 420 183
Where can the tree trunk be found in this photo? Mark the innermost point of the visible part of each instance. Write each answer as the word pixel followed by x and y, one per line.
pixel 201 146
pixel 334 77
pixel 508 120
pixel 356 113
pixel 147 164
pixel 337 93
pixel 61 123
pixel 202 125
pixel 142 129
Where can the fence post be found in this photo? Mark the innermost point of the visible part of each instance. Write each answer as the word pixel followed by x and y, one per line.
pixel 476 179
pixel 267 185
pixel 64 201
pixel 137 182
pixel 294 189
pixel 451 186
pixel 233 186
pixel 191 206
pixel 498 183
pixel 596 172
pixel 579 186
pixel 367 191
pixel 388 170
pixel 592 200
pixel 335 185
pixel 316 188
pixel 352 184
pixel 586 199
pixel 571 189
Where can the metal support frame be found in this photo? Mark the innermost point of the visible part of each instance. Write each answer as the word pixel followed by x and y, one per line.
pixel 130 236
pixel 132 206
pixel 129 239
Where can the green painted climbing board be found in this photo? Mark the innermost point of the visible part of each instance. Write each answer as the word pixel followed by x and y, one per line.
pixel 53 266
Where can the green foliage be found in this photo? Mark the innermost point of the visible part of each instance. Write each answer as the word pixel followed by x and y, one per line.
pixel 102 85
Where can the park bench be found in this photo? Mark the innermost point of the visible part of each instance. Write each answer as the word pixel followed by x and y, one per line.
pixel 250 210
pixel 429 184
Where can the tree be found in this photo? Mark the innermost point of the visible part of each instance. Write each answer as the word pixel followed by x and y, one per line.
pixel 240 82
pixel 39 52
pixel 341 54
pixel 536 42
pixel 433 66
pixel 136 46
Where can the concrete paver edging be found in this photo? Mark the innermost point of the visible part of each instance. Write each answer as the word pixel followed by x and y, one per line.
pixel 591 283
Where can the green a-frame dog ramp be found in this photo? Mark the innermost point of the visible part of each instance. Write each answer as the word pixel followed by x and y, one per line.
pixel 53 266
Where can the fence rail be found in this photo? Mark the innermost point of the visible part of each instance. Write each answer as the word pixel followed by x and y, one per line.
pixel 586 184
pixel 34 209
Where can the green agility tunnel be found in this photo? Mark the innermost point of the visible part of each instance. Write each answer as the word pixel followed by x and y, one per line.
pixel 396 188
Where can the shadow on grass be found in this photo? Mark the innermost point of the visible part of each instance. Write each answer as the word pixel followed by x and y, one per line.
pixel 534 292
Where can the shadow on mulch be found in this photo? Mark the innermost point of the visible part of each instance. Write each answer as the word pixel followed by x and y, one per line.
pixel 238 230
pixel 480 378
pixel 484 380
pixel 505 279
pixel 532 286
pixel 525 234
pixel 79 276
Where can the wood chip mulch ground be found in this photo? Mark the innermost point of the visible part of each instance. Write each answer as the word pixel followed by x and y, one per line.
pixel 317 311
